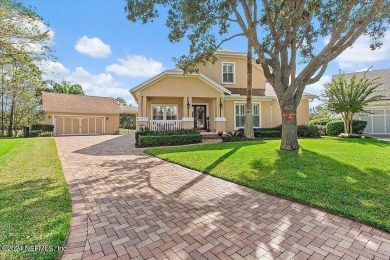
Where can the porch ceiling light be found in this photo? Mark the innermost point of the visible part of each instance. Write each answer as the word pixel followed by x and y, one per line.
pixel 188 103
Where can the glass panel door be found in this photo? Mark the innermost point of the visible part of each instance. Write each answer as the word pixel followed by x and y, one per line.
pixel 199 116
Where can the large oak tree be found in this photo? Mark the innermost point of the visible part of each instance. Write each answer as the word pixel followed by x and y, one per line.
pixel 283 33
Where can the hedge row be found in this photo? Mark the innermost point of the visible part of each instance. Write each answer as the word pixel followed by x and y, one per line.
pixel 159 140
pixel 336 127
pixel 309 131
pixel 306 131
pixel 42 127
pixel 41 133
pixel 268 133
pixel 321 121
pixel 167 137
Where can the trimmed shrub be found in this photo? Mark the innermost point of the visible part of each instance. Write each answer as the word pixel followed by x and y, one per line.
pixel 43 127
pixel 164 133
pixel 275 128
pixel 336 127
pixel 309 131
pixel 268 133
pixel 153 140
pixel 41 133
pixel 321 121
pixel 358 126
pixel 35 133
pixel 234 137
pixel 46 134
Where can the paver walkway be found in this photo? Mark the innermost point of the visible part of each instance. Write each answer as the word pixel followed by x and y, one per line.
pixel 128 205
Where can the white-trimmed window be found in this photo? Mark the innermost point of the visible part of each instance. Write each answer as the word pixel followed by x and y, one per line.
pixel 228 72
pixel 240 115
pixel 164 112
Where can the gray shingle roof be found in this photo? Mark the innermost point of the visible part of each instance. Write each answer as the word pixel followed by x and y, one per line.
pixel 385 79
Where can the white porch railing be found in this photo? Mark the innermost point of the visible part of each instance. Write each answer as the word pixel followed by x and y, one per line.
pixel 165 124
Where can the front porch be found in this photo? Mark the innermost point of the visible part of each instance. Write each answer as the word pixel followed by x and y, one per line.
pixel 171 113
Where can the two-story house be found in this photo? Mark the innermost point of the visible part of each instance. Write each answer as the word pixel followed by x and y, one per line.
pixel 212 99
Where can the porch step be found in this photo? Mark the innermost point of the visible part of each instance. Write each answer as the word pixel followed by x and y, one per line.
pixel 209 135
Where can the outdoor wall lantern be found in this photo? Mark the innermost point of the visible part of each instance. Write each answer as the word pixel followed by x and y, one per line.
pixel 220 106
pixel 188 107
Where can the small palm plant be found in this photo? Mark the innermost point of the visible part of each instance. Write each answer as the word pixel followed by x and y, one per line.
pixel 350 96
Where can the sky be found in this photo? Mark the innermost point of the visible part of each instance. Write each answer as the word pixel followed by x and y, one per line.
pixel 97 47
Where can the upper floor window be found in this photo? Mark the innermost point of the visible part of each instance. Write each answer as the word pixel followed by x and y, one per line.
pixel 228 72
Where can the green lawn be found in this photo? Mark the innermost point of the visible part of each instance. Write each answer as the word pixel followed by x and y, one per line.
pixel 349 177
pixel 35 206
pixel 123 131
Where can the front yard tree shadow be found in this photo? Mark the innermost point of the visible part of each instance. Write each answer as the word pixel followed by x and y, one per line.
pixel 21 208
pixel 347 177
pixel 197 207
pixel 325 183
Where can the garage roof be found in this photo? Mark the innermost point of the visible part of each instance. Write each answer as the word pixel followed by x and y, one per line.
pixel 58 102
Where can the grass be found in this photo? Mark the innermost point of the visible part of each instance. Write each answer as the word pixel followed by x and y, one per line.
pixel 124 131
pixel 349 177
pixel 35 206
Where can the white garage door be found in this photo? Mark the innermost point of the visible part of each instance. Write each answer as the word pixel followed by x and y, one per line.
pixel 75 125
pixel 378 122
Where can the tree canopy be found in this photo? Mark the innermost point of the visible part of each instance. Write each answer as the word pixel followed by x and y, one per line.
pixel 283 33
pixel 64 87
pixel 24 40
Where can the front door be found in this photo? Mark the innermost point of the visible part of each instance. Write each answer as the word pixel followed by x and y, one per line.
pixel 199 116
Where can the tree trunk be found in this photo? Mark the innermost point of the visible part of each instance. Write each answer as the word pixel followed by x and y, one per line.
pixel 248 131
pixel 11 118
pixel 351 123
pixel 2 102
pixel 289 130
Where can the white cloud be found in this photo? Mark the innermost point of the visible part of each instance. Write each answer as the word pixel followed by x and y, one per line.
pixel 93 47
pixel 136 66
pixel 53 69
pixel 83 77
pixel 34 27
pixel 102 84
pixel 317 87
pixel 360 56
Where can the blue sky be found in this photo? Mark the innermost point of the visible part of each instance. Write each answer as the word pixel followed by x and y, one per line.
pixel 97 47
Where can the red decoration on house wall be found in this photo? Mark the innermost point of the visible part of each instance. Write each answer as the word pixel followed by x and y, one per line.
pixel 288 116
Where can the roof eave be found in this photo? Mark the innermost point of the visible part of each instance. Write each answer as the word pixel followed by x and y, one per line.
pixel 83 112
pixel 180 73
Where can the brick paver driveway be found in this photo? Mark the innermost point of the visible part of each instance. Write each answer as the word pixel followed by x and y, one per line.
pixel 130 205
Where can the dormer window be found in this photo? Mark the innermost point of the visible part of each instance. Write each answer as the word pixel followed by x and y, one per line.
pixel 228 73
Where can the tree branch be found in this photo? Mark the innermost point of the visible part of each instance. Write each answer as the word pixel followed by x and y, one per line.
pixel 319 75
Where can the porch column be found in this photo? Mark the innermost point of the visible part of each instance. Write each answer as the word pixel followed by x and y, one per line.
pixel 187 101
pixel 220 124
pixel 141 122
pixel 187 120
pixel 144 100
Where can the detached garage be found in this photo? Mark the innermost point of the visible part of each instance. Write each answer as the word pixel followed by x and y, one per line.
pixel 81 115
